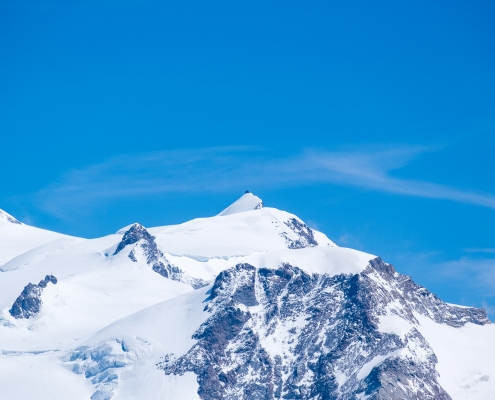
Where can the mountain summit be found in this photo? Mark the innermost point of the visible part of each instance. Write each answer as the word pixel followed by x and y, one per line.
pixel 247 202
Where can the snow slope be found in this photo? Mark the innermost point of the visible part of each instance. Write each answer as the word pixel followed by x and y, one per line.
pixel 17 238
pixel 465 358
pixel 92 291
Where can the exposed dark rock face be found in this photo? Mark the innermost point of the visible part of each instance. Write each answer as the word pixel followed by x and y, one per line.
pixel 134 234
pixel 285 334
pixel 305 235
pixel 146 245
pixel 29 302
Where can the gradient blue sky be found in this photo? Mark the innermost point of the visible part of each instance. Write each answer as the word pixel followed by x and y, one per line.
pixel 372 121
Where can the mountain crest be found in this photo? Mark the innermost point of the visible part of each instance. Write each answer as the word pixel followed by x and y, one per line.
pixel 247 202
pixel 6 219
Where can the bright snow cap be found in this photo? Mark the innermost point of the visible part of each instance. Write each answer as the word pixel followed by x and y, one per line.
pixel 247 202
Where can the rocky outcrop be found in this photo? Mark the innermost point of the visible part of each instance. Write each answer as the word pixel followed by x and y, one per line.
pixel 305 235
pixel 133 235
pixel 145 246
pixel 285 334
pixel 29 302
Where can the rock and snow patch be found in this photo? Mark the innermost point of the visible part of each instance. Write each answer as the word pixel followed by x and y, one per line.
pixel 305 235
pixel 145 247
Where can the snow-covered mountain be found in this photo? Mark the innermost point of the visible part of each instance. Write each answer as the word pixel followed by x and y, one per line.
pixel 249 304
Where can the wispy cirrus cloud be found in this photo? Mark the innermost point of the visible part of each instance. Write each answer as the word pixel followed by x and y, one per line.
pixel 467 280
pixel 474 276
pixel 228 169
pixel 480 250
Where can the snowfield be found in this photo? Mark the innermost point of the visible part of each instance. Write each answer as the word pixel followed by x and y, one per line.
pixel 248 304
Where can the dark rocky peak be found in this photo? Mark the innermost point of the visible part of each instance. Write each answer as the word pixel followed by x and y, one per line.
pixel 283 333
pixel 135 233
pixel 303 231
pixel 29 302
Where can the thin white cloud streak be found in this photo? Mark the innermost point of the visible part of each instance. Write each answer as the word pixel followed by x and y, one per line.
pixel 480 250
pixel 231 169
pixel 372 170
pixel 469 280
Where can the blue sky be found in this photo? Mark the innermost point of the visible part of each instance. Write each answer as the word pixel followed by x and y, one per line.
pixel 372 121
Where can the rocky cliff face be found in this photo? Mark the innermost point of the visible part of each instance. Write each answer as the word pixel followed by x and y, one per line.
pixel 29 302
pixel 284 334
pixel 145 246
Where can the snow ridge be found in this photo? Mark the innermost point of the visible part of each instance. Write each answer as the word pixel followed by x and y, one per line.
pixel 7 218
pixel 246 202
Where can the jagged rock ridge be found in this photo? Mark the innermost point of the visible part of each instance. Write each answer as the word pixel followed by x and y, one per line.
pixel 146 246
pixel 29 302
pixel 284 334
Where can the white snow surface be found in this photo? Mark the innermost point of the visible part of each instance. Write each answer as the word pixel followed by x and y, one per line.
pixel 466 358
pixel 18 238
pixel 103 299
pixel 7 219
